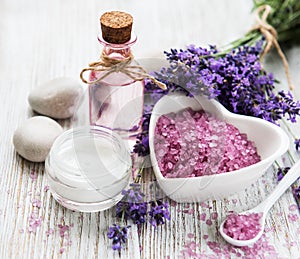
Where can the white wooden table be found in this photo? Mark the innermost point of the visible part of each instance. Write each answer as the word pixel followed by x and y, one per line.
pixel 41 40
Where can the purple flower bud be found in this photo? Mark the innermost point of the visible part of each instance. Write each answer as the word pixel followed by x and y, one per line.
pixel 132 205
pixel 159 213
pixel 118 235
pixel 297 144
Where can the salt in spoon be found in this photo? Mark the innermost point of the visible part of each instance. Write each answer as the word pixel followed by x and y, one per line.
pixel 263 208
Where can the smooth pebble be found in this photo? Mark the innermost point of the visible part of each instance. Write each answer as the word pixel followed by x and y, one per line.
pixel 57 98
pixel 34 138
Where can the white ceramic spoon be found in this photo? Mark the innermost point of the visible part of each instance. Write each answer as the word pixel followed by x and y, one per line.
pixel 292 175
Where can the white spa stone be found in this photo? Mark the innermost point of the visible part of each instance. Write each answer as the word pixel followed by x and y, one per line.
pixel 34 138
pixel 57 98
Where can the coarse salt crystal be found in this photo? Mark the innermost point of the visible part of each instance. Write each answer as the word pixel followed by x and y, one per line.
pixel 242 226
pixel 192 143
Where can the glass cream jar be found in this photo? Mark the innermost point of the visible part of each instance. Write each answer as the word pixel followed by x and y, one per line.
pixel 87 168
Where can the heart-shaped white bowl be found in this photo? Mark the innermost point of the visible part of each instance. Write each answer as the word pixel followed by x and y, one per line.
pixel 271 142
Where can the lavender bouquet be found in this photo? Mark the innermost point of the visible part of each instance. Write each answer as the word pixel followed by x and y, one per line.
pixel 235 76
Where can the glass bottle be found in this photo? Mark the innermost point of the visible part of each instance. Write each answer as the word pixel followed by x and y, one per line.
pixel 116 101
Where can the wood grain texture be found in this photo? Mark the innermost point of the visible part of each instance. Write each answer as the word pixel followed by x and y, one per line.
pixel 41 40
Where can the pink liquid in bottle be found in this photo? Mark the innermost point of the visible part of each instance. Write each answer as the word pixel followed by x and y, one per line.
pixel 116 102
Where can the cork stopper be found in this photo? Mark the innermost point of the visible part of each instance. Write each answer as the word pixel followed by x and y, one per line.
pixel 116 27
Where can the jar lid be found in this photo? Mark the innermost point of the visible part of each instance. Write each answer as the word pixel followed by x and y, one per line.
pixel 116 27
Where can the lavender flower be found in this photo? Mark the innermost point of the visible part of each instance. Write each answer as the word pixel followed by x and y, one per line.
pixel 118 235
pixel 159 213
pixel 297 144
pixel 134 194
pixel 132 205
pixel 296 194
pixel 142 144
pixel 134 211
pixel 281 172
pixel 236 79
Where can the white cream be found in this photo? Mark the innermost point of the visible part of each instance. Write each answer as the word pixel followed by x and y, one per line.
pixel 88 167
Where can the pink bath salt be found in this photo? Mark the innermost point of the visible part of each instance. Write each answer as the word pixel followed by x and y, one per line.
pixel 242 227
pixel 204 205
pixel 193 143
pixel 208 222
pixel 33 175
pixel 214 215
pixel 50 231
pixel 173 203
pixel 36 203
pixel 293 217
pixel 202 216
pixel 190 235
pixel 34 222
pixel 293 207
pixel 234 201
pixel 189 211
pixel 63 230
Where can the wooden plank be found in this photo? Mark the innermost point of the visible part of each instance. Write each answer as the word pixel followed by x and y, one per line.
pixel 41 40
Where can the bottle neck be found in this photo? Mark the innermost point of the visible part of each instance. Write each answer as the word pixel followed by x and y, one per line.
pixel 117 51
